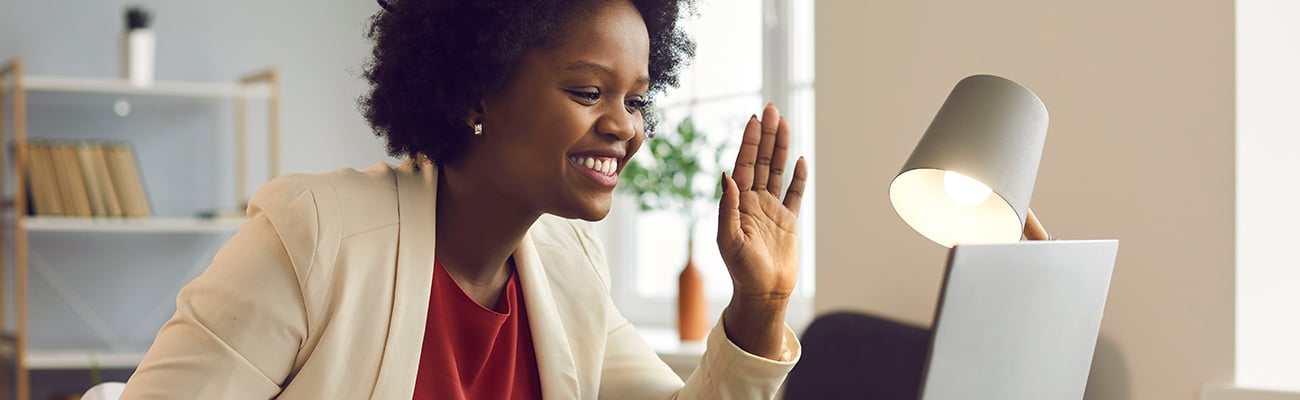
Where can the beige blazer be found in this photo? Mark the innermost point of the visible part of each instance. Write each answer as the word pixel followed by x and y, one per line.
pixel 323 294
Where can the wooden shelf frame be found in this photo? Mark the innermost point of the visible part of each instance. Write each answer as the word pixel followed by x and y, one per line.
pixel 14 82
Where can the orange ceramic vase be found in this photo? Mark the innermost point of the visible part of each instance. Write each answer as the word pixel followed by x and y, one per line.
pixel 692 324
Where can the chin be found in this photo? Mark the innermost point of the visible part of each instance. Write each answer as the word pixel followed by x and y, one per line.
pixel 592 212
pixel 590 215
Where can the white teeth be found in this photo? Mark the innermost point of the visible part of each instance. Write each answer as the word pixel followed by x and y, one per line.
pixel 605 166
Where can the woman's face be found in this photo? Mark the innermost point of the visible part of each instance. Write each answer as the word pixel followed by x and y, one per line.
pixel 561 128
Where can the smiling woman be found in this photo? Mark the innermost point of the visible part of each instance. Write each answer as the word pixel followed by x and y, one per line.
pixel 470 271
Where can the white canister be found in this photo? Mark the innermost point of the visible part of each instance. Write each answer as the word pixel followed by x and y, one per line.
pixel 138 56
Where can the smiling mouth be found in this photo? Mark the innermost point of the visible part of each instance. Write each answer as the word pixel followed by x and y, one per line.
pixel 606 166
pixel 603 171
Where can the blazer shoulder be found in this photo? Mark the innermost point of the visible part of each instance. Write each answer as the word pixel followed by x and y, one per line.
pixel 347 200
pixel 308 211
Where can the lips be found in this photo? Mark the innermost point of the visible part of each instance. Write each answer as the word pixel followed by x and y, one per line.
pixel 601 169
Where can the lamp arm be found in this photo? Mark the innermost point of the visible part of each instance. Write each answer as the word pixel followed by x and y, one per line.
pixel 1033 229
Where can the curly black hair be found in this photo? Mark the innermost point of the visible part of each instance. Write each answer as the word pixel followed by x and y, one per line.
pixel 422 82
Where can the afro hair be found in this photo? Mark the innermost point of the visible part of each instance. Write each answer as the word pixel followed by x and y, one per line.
pixel 421 87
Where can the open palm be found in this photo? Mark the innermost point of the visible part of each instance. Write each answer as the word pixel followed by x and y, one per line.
pixel 758 233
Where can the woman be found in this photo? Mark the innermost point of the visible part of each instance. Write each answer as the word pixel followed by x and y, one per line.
pixel 462 273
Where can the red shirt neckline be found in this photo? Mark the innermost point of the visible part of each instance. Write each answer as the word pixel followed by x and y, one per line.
pixel 472 352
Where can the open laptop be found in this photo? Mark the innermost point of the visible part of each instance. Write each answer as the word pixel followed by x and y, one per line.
pixel 1018 321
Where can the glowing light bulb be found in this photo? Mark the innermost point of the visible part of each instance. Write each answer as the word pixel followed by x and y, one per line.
pixel 964 190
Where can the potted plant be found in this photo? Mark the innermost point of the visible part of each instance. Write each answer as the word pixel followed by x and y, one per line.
pixel 682 170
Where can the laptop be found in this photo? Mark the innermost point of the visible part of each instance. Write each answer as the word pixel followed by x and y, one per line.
pixel 1018 321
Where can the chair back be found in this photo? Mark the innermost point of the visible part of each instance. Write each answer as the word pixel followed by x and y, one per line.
pixel 850 355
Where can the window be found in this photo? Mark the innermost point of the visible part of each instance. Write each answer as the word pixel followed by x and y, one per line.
pixel 1267 353
pixel 748 53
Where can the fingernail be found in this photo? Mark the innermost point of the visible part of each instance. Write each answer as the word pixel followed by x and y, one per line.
pixel 753 117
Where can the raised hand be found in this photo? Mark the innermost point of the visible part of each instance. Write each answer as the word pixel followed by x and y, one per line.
pixel 758 234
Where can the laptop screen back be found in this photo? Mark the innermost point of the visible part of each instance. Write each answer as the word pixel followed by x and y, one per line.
pixel 1018 321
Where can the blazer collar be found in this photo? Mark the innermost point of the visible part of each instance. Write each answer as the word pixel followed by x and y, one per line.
pixel 413 278
pixel 555 365
pixel 416 198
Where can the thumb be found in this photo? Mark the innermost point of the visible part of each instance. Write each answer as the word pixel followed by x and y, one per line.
pixel 729 211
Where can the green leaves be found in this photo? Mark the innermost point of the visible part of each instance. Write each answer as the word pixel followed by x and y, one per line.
pixel 681 170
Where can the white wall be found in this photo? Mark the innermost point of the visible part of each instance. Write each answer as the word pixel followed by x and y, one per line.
pixel 317 45
pixel 1140 148
pixel 1268 168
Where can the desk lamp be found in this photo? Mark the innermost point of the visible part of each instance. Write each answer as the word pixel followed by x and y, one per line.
pixel 1008 310
pixel 970 177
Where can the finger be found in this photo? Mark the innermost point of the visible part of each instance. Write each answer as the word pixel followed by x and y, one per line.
pixel 743 174
pixel 763 163
pixel 779 154
pixel 728 211
pixel 794 195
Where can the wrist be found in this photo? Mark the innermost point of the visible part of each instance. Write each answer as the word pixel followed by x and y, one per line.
pixel 760 304
pixel 755 325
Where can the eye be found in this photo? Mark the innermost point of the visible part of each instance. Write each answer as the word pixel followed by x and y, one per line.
pixel 636 104
pixel 587 96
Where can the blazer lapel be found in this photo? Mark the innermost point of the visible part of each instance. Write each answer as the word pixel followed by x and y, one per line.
pixel 555 363
pixel 416 197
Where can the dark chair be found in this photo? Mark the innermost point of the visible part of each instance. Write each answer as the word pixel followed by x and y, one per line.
pixel 849 355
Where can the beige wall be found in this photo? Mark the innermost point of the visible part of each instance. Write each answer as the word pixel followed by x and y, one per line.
pixel 1140 148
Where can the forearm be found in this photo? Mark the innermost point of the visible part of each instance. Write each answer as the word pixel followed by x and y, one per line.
pixel 756 325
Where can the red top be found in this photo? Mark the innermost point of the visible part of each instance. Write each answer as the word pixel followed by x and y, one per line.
pixel 471 352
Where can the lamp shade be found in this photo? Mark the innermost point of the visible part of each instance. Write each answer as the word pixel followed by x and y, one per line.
pixel 970 177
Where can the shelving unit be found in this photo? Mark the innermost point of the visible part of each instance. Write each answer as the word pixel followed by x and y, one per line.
pixel 14 82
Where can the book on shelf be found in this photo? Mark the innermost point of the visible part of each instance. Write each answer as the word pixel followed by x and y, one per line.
pixel 112 206
pixel 83 179
pixel 76 182
pixel 94 192
pixel 126 178
pixel 38 177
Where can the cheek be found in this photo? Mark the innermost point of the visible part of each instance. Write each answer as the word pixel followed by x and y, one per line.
pixel 537 140
pixel 541 151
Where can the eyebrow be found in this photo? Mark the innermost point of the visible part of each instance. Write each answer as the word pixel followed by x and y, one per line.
pixel 587 67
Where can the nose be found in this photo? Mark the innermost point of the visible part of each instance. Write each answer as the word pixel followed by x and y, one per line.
pixel 618 123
